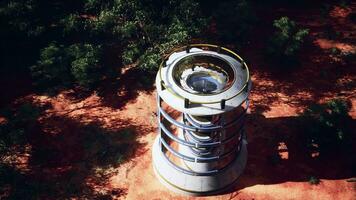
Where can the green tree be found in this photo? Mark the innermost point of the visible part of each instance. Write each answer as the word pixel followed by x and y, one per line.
pixel 18 122
pixel 63 66
pixel 85 64
pixel 144 30
pixel 286 41
pixel 149 30
pixel 52 69
pixel 327 125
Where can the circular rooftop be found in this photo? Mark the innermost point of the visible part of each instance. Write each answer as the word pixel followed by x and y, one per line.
pixel 202 81
pixel 203 74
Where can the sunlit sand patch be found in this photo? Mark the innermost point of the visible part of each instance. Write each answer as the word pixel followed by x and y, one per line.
pixel 328 44
pixel 283 151
pixel 315 152
pixel 339 12
pixel 2 120
pixel 281 110
pixel 346 82
pixel 18 159
pixel 303 190
pixel 352 112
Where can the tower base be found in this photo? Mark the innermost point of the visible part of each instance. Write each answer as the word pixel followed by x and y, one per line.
pixel 197 185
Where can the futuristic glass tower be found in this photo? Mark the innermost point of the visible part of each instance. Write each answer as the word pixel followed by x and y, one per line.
pixel 202 96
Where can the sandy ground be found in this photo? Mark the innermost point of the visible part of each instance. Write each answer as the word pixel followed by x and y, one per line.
pixel 276 101
pixel 142 184
pixel 261 179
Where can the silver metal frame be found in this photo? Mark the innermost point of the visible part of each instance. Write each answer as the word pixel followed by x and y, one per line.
pixel 195 156
pixel 187 129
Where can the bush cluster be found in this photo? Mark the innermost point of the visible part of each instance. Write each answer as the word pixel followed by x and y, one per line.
pixel 18 122
pixel 72 35
pixel 70 38
pixel 63 66
pixel 327 126
pixel 286 40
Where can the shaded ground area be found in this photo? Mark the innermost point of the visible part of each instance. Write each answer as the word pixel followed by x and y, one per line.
pixel 320 75
pixel 279 167
pixel 69 164
pixel 98 145
pixel 71 151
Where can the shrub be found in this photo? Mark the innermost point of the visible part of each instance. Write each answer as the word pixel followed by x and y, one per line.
pixel 63 66
pixel 18 122
pixel 85 64
pixel 154 29
pixel 71 23
pixel 176 34
pixel 149 60
pixel 17 15
pixel 103 23
pixel 130 54
pixel 143 31
pixel 335 51
pixel 314 180
pixel 327 125
pixel 349 57
pixel 287 39
pixel 52 68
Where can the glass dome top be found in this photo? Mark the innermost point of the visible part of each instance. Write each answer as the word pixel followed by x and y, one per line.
pixel 203 74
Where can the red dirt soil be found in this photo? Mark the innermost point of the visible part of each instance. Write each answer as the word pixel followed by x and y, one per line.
pixel 261 179
pixel 268 132
pixel 277 99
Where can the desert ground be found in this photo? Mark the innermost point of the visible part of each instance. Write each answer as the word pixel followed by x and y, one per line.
pixel 71 146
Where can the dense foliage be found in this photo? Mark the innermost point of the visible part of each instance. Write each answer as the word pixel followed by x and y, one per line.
pixel 58 65
pixel 60 44
pixel 287 39
pixel 18 122
pixel 327 126
pixel 74 35
pixel 314 180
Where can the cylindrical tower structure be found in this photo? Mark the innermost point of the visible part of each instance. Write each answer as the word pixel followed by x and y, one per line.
pixel 202 97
